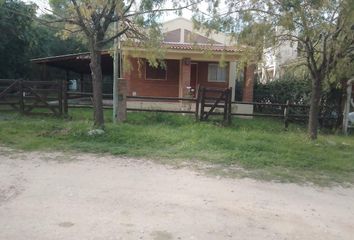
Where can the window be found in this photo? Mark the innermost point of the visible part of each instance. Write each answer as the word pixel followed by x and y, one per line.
pixel 216 73
pixel 154 73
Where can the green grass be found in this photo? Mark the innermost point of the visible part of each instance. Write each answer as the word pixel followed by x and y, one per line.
pixel 260 146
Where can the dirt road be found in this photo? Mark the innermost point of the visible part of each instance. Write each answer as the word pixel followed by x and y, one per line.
pixel 56 196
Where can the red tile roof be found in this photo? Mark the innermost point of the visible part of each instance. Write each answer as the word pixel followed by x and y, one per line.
pixel 201 47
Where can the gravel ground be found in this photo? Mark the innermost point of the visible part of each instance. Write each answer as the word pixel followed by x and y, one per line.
pixel 84 196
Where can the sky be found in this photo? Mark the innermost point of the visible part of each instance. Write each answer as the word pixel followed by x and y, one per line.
pixel 43 5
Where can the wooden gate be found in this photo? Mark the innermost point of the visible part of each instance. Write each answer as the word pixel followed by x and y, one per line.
pixel 212 99
pixel 25 96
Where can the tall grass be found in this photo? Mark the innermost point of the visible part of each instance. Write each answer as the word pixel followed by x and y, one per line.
pixel 260 146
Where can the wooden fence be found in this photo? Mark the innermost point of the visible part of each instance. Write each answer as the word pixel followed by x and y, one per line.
pixel 286 108
pixel 25 96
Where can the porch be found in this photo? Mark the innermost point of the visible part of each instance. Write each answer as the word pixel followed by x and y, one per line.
pixel 182 77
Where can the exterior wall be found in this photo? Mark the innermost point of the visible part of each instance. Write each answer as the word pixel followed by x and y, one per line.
pixel 138 84
pixel 190 37
pixel 178 79
pixel 185 24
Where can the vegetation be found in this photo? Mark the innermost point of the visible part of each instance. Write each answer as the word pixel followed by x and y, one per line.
pixel 289 87
pixel 323 29
pixel 260 146
pixel 25 38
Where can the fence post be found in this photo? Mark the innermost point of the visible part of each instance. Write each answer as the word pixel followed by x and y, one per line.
pixel 229 106
pixel 122 100
pixel 197 105
pixel 202 103
pixel 60 96
pixel 65 97
pixel 21 98
pixel 286 115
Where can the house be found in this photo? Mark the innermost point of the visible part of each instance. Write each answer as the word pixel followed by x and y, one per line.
pixel 192 58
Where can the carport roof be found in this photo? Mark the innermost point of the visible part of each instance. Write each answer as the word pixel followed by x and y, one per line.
pixel 79 63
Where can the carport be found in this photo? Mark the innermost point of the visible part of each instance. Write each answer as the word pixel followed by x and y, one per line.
pixel 78 64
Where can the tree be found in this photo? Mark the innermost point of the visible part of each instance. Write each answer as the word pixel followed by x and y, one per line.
pixel 93 20
pixel 48 42
pixel 323 29
pixel 25 38
pixel 16 38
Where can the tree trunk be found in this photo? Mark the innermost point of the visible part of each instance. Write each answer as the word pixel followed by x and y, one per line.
pixel 96 73
pixel 314 107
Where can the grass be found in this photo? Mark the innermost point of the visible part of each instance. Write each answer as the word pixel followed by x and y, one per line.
pixel 260 146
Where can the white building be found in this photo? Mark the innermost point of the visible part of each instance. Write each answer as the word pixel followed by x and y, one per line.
pixel 276 59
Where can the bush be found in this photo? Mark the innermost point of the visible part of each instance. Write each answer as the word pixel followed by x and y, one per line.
pixel 297 91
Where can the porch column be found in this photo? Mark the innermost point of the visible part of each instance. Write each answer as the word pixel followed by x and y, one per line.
pixel 232 78
pixel 185 77
pixel 248 83
pixel 127 73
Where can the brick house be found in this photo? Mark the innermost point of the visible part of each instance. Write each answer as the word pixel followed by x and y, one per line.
pixel 192 59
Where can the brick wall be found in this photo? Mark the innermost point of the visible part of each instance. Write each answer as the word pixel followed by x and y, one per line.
pixel 138 83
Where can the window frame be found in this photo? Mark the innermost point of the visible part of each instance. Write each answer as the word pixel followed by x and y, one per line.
pixel 154 79
pixel 218 67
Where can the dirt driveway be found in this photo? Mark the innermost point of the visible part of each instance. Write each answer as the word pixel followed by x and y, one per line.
pixel 53 196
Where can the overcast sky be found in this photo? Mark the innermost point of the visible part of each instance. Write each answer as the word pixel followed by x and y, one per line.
pixel 43 5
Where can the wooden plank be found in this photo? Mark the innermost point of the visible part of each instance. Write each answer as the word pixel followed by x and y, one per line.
pixel 3 93
pixel 40 99
pixel 202 104
pixel 8 102
pixel 215 90
pixel 163 98
pixel 8 80
pixel 229 107
pixel 258 115
pixel 31 83
pixel 197 104
pixel 159 110
pixel 20 97
pixel 65 97
pixel 60 97
pixel 215 104
pixel 271 104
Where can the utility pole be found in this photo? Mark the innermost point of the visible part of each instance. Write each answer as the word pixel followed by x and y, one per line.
pixel 116 75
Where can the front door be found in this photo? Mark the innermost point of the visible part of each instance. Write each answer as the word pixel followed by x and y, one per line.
pixel 194 77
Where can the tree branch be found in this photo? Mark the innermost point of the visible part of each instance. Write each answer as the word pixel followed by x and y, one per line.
pixel 160 10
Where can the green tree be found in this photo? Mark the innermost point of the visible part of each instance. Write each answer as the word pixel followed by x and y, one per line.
pixel 94 19
pixel 25 37
pixel 48 42
pixel 322 27
pixel 16 38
